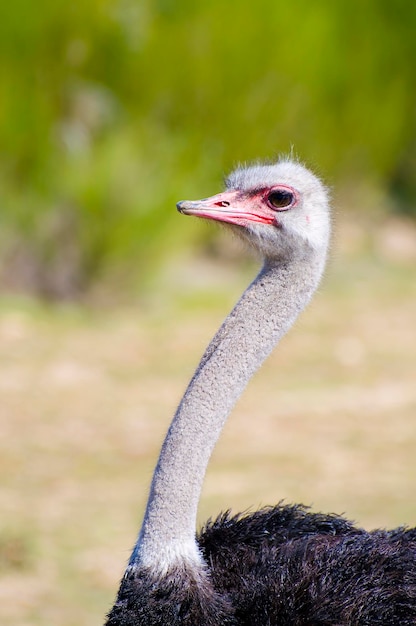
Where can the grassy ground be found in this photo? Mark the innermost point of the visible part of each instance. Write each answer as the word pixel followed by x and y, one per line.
pixel 87 397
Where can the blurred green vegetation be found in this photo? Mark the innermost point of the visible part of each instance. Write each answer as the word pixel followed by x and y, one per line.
pixel 111 110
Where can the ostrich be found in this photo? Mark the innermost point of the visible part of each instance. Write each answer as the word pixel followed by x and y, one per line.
pixel 281 565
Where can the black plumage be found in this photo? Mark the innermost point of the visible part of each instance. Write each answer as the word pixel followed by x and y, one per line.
pixel 281 566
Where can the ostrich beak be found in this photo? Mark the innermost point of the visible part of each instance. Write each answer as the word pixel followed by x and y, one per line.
pixel 232 207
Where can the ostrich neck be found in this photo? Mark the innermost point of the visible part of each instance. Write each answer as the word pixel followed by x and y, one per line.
pixel 262 316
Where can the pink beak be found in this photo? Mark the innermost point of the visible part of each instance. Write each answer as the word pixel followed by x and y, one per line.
pixel 232 207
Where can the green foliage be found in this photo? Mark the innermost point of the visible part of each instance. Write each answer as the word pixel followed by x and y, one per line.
pixel 111 110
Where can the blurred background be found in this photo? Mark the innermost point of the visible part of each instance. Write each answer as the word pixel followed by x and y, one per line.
pixel 110 112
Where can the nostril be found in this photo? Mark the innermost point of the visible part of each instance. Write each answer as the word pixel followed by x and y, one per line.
pixel 222 203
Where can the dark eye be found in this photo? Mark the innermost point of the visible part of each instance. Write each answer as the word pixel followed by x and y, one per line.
pixel 280 199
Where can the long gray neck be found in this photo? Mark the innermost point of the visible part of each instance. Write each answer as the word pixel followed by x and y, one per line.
pixel 262 316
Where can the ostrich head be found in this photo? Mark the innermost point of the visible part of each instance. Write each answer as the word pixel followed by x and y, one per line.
pixel 280 209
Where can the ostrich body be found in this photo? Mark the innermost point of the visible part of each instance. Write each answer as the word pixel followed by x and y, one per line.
pixel 281 565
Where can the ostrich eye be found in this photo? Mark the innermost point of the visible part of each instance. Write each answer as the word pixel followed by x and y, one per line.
pixel 280 199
